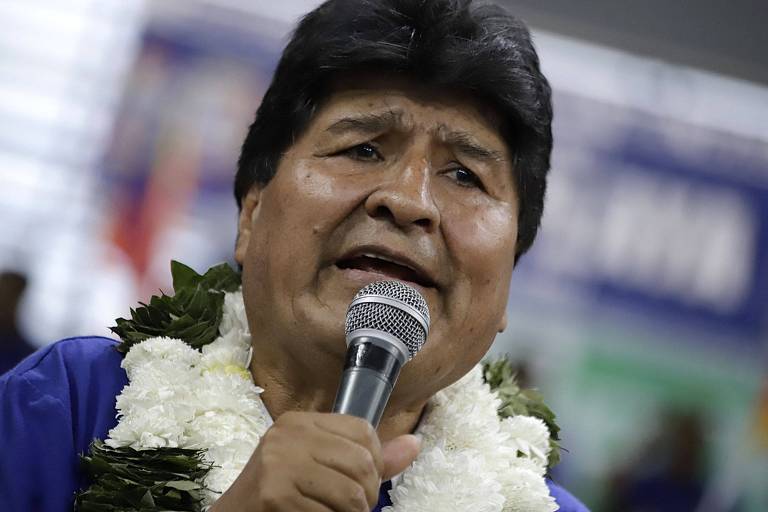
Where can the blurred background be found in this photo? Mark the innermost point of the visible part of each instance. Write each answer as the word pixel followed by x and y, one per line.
pixel 641 312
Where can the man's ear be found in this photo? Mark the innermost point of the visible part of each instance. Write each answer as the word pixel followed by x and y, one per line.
pixel 248 212
pixel 503 323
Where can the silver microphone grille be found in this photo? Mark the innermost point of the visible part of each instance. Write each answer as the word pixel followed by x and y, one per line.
pixel 392 307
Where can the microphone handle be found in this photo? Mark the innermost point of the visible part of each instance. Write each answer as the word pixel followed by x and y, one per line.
pixel 371 369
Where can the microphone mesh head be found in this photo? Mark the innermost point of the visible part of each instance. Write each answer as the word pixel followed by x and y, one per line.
pixel 393 315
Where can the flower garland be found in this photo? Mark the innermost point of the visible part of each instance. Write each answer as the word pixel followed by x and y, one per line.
pixel 178 397
pixel 203 405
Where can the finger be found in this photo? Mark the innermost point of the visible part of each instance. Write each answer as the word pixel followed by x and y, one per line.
pixel 353 461
pixel 354 429
pixel 335 490
pixel 398 454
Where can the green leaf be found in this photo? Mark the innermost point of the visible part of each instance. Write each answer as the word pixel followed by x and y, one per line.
pixel 148 480
pixel 192 314
pixel 500 376
pixel 183 276
pixel 222 277
pixel 147 500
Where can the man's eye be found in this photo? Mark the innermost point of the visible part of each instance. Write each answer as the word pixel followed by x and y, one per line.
pixel 466 178
pixel 363 151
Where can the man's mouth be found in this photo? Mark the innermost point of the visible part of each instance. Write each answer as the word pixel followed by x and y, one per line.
pixel 389 268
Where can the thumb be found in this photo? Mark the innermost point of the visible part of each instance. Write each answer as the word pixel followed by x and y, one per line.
pixel 398 454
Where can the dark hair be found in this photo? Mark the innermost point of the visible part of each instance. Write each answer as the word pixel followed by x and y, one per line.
pixel 449 44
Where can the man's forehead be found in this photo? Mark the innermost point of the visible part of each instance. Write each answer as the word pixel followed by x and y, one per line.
pixel 373 91
pixel 405 107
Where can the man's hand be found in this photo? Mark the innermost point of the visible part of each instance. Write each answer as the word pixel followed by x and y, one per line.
pixel 317 462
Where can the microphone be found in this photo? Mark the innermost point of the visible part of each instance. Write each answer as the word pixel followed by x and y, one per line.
pixel 387 324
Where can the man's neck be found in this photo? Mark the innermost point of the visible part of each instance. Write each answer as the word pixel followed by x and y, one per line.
pixel 288 388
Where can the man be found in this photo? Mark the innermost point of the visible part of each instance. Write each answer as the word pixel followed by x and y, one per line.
pixel 400 139
pixel 13 346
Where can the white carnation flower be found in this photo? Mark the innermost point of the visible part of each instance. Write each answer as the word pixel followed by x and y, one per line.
pixel 464 416
pixel 219 391
pixel 156 382
pixel 159 352
pixel 219 479
pixel 529 436
pixel 526 491
pixel 528 464
pixel 233 433
pixel 155 427
pixel 462 421
pixel 154 407
pixel 233 314
pixel 447 480
pixel 223 355
pixel 234 338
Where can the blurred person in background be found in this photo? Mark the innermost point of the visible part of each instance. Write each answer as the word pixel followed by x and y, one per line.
pixel 13 346
pixel 668 474
pixel 400 139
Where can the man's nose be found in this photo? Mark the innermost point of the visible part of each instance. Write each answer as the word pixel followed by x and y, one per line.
pixel 405 197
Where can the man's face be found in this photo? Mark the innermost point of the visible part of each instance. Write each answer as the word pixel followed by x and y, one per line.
pixel 389 181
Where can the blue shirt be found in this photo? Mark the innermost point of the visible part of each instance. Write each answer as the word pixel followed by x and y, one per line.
pixel 54 403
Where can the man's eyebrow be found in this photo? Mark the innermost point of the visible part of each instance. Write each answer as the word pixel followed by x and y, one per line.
pixel 368 123
pixel 465 143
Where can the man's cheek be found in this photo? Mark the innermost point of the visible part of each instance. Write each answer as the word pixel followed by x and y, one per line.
pixel 489 224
